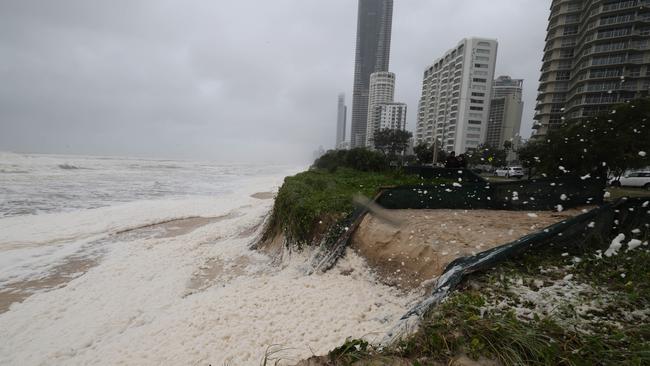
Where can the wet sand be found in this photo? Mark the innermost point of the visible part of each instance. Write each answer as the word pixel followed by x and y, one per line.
pixel 217 269
pixel 263 195
pixel 58 277
pixel 424 242
pixel 76 265
pixel 173 228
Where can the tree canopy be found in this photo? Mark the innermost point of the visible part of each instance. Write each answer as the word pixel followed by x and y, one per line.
pixel 610 142
pixel 359 159
pixel 392 141
pixel 424 152
pixel 486 154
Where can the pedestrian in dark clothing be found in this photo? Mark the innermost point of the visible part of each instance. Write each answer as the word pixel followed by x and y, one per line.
pixel 451 162
pixel 462 161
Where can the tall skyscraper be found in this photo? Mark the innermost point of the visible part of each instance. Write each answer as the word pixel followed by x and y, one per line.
pixel 597 54
pixel 374 23
pixel 381 90
pixel 506 109
pixel 340 121
pixel 455 97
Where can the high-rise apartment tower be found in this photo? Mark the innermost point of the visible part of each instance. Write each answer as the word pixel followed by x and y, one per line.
pixel 597 54
pixel 382 90
pixel 340 121
pixel 455 97
pixel 374 23
pixel 506 109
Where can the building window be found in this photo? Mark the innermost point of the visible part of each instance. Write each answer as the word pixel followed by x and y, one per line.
pixel 478 101
pixel 605 73
pixel 563 75
pixel 616 19
pixel 483 51
pixel 479 80
pixel 475 108
pixel 618 5
pixel 569 31
pixel 475 94
pixel 613 33
pixel 566 53
pixel 608 60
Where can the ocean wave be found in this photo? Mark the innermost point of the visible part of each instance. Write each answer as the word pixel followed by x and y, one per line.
pixel 7 171
pixel 67 166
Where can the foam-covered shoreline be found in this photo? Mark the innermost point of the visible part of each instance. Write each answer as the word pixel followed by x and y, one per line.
pixel 198 297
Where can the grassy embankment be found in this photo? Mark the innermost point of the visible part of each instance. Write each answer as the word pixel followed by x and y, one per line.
pixel 562 306
pixel 618 192
pixel 310 203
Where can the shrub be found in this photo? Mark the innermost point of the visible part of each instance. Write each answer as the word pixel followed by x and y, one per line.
pixel 359 159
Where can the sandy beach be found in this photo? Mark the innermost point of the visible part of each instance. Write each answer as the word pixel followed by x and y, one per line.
pixel 424 242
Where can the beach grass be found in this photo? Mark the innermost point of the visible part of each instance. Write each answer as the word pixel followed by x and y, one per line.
pixel 619 192
pixel 321 198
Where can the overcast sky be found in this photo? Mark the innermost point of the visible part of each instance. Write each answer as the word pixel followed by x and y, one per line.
pixel 223 80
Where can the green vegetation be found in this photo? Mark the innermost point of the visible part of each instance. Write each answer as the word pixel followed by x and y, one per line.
pixel 488 155
pixel 360 159
pixel 392 141
pixel 424 153
pixel 619 192
pixel 610 142
pixel 309 202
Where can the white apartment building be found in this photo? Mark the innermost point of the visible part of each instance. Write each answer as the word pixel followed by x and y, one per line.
pixel 391 116
pixel 382 90
pixel 456 92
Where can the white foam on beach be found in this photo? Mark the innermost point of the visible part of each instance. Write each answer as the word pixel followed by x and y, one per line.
pixel 135 308
pixel 138 305
pixel 35 243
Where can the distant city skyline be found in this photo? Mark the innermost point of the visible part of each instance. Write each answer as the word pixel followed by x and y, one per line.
pixel 163 80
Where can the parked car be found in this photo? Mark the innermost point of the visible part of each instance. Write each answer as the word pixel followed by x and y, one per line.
pixel 510 172
pixel 633 179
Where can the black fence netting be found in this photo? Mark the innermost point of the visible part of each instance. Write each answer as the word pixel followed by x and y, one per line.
pixel 547 193
pixel 535 194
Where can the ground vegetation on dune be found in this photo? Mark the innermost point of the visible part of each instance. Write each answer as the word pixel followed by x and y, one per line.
pixel 309 203
pixel 581 304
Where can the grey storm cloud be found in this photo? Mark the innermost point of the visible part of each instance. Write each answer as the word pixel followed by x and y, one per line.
pixel 222 80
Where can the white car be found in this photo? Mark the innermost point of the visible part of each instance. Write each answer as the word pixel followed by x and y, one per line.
pixel 633 179
pixel 510 171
